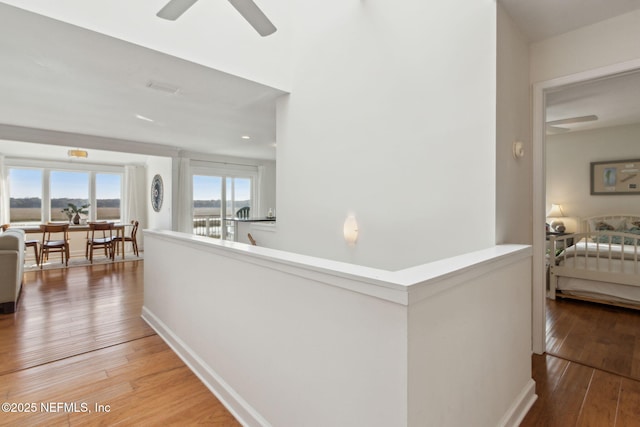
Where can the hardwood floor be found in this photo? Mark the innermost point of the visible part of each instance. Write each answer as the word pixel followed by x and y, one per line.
pixel 77 353
pixel 589 376
pixel 597 335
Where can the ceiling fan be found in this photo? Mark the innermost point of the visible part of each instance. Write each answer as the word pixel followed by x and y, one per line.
pixel 554 128
pixel 247 8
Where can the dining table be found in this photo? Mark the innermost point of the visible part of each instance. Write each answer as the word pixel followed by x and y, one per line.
pixel 73 228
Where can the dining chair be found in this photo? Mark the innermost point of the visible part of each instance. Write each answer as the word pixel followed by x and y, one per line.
pixel 243 212
pixel 100 235
pixel 31 243
pixel 251 239
pixel 54 243
pixel 132 237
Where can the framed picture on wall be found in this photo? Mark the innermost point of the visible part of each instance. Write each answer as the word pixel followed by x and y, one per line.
pixel 617 177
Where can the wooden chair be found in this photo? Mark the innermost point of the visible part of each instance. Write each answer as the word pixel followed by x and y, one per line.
pixel 131 238
pixel 100 235
pixel 54 244
pixel 251 239
pixel 31 243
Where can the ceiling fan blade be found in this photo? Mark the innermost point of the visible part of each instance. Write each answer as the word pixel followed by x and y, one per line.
pixel 252 13
pixel 570 120
pixel 174 9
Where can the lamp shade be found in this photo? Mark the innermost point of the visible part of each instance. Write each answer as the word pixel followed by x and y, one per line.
pixel 555 211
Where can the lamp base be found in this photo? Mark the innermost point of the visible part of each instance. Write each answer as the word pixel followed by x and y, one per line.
pixel 558 226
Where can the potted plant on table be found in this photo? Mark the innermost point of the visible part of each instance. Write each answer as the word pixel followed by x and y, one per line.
pixel 73 212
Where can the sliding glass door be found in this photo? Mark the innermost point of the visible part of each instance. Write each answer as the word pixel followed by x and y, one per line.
pixel 216 202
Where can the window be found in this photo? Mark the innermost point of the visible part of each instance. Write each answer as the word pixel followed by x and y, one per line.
pixel 108 196
pixel 25 190
pixel 39 194
pixel 67 187
pixel 238 195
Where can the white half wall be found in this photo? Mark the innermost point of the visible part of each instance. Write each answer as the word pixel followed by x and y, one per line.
pixel 391 118
pixel 289 340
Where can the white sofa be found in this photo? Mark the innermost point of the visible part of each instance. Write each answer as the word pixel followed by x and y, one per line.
pixel 12 268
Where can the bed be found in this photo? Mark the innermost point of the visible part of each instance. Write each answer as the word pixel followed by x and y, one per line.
pixel 601 263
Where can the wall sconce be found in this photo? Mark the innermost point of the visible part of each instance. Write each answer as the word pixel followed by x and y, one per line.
pixel 556 212
pixel 518 150
pixel 78 153
pixel 350 230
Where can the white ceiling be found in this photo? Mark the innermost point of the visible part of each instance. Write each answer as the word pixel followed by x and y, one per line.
pixel 541 19
pixel 65 78
pixel 615 100
pixel 62 77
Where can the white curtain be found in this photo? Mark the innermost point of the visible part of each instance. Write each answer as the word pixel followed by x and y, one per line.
pixel 131 210
pixel 184 196
pixel 4 192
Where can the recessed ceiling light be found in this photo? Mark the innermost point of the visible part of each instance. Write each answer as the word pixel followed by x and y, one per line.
pixel 245 137
pixel 146 119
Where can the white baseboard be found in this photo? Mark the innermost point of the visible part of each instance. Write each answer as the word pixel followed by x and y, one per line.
pixel 241 410
pixel 521 405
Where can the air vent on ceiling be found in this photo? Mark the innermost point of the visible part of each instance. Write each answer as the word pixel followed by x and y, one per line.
pixel 163 87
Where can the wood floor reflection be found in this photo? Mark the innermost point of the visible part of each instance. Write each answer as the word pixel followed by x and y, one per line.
pixel 78 349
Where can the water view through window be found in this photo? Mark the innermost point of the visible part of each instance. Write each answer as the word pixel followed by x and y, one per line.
pixel 27 199
pixel 208 200
pixel 25 189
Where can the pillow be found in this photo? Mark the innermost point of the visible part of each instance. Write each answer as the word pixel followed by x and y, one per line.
pixel 633 230
pixel 610 224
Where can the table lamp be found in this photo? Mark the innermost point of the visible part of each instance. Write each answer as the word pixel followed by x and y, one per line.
pixel 556 212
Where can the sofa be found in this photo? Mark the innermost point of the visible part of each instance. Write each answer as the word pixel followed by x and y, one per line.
pixel 12 268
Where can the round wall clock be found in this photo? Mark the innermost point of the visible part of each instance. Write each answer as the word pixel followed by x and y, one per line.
pixel 157 190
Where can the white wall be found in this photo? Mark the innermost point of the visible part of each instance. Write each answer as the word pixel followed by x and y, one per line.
pixel 384 122
pixel 608 42
pixel 568 170
pixel 513 176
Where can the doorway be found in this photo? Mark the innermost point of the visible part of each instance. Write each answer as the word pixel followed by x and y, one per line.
pixel 540 93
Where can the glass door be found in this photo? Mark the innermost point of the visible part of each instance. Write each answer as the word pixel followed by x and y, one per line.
pixel 216 202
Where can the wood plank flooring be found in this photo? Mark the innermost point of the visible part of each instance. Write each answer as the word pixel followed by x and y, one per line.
pixel 589 375
pixel 78 353
pixel 597 335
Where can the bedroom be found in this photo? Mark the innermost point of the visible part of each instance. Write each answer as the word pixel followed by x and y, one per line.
pixel 601 124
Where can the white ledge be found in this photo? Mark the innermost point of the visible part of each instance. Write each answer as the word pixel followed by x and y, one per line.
pixel 402 286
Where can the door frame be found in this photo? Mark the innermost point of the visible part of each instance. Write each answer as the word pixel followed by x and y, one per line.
pixel 539 91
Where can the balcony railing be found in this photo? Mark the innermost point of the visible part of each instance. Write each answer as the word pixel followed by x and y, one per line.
pixel 207 225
